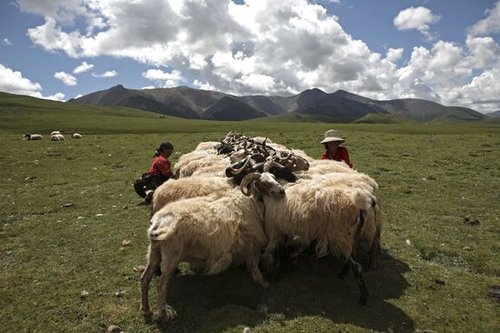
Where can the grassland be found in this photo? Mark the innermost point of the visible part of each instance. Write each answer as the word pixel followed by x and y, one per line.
pixel 66 208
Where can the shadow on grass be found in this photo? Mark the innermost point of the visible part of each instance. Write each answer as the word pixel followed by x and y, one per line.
pixel 230 301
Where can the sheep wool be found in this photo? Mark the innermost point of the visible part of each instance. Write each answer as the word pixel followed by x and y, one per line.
pixel 183 188
pixel 206 232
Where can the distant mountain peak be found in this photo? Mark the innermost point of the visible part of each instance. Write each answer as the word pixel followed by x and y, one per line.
pixel 313 91
pixel 118 87
pixel 342 92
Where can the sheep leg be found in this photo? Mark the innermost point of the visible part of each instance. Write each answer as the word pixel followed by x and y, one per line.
pixel 154 259
pixel 359 279
pixel 375 251
pixel 268 255
pixel 152 266
pixel 345 270
pixel 355 265
pixel 168 269
pixel 252 262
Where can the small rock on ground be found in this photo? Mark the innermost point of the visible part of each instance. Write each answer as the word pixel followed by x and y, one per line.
pixel 113 329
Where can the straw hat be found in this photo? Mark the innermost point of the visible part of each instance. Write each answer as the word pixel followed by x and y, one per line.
pixel 331 136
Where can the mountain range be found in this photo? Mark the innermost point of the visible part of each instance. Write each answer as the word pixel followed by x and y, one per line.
pixel 340 106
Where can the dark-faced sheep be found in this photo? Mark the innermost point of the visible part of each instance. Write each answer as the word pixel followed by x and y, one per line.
pixel 30 136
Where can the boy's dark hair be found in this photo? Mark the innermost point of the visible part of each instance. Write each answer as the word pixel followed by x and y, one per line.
pixel 164 146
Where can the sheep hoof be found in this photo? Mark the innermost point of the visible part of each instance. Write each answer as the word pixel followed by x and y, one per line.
pixel 146 313
pixel 268 263
pixel 163 318
pixel 345 270
pixel 264 283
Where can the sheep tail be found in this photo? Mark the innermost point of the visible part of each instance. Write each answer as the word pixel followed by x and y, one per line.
pixel 162 227
pixel 362 216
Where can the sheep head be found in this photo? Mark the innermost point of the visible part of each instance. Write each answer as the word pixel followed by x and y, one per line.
pixel 262 184
pixel 279 171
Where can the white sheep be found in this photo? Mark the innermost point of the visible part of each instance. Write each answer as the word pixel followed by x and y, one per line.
pixel 57 137
pixel 321 167
pixel 190 187
pixel 30 136
pixel 332 216
pixel 209 234
pixel 191 156
pixel 207 145
pixel 339 173
pixel 55 132
pixel 76 136
pixel 213 167
pixel 187 165
pixel 373 222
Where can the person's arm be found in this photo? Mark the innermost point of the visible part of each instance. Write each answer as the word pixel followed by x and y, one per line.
pixel 164 168
pixel 325 156
pixel 345 157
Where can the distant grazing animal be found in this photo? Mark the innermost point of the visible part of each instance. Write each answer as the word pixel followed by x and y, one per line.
pixel 33 136
pixel 55 132
pixel 76 136
pixel 57 137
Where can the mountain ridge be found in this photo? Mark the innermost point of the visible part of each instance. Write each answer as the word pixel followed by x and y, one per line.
pixel 191 103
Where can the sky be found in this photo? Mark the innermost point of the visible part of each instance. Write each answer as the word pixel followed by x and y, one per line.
pixel 447 51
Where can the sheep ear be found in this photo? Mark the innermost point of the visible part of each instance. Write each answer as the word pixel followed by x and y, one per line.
pixel 247 180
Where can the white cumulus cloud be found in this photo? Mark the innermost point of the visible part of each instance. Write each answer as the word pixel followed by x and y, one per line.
pixel 66 78
pixel 111 73
pixel 6 41
pixel 56 97
pixel 14 82
pixel 82 68
pixel 416 18
pixel 490 24
pixel 172 79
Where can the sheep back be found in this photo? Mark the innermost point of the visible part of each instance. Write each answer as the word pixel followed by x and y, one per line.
pixel 183 188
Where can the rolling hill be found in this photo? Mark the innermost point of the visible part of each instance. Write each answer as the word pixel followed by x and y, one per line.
pixel 495 114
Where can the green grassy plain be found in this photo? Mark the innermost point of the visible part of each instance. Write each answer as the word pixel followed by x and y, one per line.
pixel 66 207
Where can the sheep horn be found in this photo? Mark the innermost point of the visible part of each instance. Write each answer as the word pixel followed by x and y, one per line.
pixel 286 156
pixel 243 167
pixel 258 166
pixel 247 180
pixel 257 158
pixel 271 164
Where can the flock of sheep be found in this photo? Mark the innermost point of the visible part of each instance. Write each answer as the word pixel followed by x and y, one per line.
pixel 54 136
pixel 236 201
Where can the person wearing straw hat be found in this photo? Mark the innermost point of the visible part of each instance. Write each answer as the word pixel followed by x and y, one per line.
pixel 334 150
